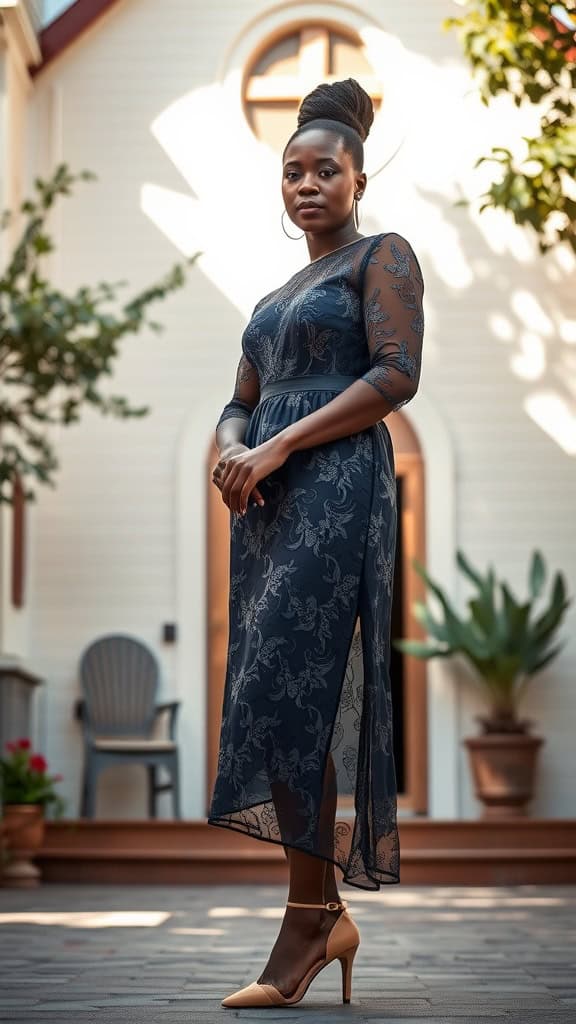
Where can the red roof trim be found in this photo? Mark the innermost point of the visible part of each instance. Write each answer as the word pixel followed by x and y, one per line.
pixel 63 31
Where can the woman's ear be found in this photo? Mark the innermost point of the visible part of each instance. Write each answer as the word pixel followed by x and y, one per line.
pixel 360 185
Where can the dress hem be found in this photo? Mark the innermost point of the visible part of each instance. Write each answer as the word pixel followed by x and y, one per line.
pixel 389 879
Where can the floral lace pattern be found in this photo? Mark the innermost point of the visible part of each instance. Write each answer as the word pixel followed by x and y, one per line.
pixel 307 710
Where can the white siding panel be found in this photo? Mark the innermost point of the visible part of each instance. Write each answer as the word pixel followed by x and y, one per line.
pixel 105 552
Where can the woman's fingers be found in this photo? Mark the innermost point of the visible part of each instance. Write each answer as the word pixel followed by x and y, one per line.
pixel 230 474
pixel 235 476
pixel 218 473
pixel 244 495
pixel 234 482
pixel 255 497
pixel 242 485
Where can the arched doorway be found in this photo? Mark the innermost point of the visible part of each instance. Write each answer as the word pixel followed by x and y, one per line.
pixel 408 674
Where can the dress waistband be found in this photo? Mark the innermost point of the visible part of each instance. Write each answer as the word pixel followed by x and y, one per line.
pixel 313 382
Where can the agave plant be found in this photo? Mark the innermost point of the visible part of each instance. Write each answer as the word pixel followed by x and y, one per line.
pixel 503 639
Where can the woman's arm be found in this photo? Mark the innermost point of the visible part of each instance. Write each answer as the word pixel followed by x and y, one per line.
pixel 233 422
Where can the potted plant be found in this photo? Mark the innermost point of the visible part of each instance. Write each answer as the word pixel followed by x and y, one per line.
pixel 505 642
pixel 27 790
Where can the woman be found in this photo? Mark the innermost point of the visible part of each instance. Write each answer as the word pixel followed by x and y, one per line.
pixel 307 469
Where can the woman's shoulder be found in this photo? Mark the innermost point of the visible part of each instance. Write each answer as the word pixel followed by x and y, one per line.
pixel 395 248
pixel 264 301
pixel 382 243
pixel 390 238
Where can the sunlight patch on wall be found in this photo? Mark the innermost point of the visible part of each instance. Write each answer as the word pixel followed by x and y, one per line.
pixel 233 215
pixel 530 312
pixel 433 115
pixel 180 218
pixel 529 362
pixel 567 331
pixel 555 417
pixel 501 327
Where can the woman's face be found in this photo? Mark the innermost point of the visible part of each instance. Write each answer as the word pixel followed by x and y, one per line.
pixel 319 181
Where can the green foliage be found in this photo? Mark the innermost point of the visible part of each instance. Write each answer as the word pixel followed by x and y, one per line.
pixel 24 778
pixel 503 639
pixel 515 48
pixel 54 348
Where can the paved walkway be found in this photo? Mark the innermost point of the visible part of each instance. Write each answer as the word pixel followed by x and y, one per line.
pixel 168 954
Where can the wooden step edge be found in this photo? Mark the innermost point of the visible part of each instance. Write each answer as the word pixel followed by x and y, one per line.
pixel 410 856
pixel 70 853
pixel 414 824
pixel 502 853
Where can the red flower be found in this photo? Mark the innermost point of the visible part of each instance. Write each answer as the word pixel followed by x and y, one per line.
pixel 38 763
pixel 11 746
pixel 24 744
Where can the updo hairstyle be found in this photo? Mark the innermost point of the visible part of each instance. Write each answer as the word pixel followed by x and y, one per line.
pixel 344 108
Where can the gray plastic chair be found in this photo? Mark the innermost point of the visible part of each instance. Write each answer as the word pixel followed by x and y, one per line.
pixel 121 720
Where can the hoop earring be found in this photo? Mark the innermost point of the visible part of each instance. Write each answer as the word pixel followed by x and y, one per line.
pixel 294 238
pixel 355 211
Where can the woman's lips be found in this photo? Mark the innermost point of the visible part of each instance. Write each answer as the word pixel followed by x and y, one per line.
pixel 308 209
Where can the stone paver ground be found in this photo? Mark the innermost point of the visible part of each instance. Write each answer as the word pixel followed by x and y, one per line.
pixel 440 955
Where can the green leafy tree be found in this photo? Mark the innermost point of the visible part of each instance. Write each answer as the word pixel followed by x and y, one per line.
pixel 55 348
pixel 516 47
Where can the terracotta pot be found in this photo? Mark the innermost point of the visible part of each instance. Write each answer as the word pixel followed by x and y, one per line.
pixel 504 769
pixel 23 828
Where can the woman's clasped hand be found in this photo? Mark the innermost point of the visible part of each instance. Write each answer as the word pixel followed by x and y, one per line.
pixel 239 470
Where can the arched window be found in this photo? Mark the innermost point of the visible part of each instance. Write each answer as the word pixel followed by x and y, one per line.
pixel 289 66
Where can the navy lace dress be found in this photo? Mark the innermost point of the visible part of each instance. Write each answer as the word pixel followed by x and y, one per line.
pixel 307 713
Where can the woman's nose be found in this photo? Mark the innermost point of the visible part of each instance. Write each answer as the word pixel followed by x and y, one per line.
pixel 307 185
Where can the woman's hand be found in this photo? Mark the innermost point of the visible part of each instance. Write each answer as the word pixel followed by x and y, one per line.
pixel 243 469
pixel 220 467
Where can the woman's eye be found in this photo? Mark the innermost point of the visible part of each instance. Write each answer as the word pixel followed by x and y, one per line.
pixel 290 175
pixel 328 170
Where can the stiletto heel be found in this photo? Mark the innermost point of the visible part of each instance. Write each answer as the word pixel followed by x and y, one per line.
pixel 346 961
pixel 342 944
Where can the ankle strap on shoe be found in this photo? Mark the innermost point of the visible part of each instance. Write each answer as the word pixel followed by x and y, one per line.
pixel 342 905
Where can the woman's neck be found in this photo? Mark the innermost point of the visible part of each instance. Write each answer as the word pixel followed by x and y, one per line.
pixel 321 245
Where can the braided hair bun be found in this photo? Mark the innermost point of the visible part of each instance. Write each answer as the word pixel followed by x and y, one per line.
pixel 344 101
pixel 341 107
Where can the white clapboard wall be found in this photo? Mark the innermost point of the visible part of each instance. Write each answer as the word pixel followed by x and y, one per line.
pixel 107 551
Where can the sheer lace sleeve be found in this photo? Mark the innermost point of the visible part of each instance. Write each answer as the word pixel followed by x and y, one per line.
pixel 246 392
pixel 393 319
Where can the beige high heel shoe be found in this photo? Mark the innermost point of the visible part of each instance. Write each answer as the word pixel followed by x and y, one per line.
pixel 343 941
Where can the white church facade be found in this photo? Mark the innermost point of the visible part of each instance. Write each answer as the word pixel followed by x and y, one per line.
pixel 180 109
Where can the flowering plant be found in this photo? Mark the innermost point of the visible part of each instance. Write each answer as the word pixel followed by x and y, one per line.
pixel 24 779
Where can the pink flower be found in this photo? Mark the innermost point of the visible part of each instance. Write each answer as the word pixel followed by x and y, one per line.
pixel 11 746
pixel 38 763
pixel 57 778
pixel 24 744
